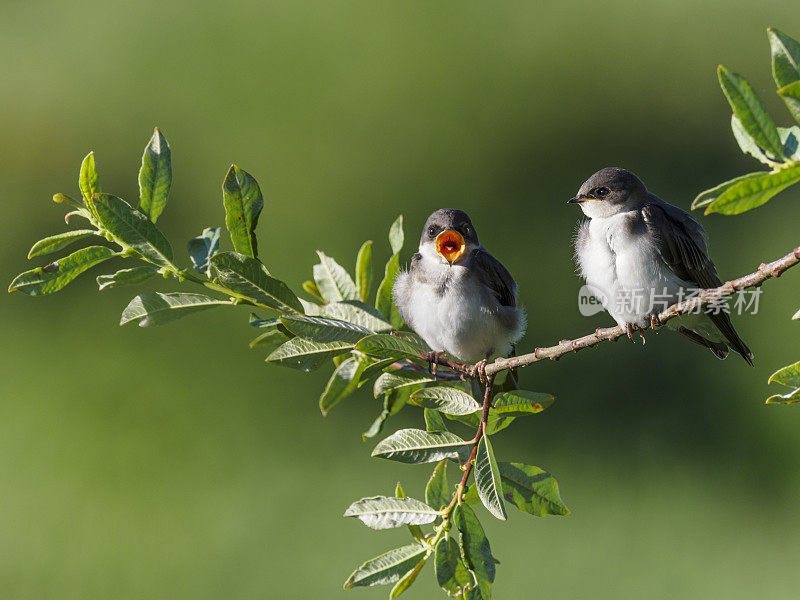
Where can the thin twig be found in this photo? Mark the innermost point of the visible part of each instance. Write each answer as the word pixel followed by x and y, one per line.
pixel 706 297
pixel 487 404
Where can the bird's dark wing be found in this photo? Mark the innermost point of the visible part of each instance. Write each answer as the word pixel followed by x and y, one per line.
pixel 680 240
pixel 495 276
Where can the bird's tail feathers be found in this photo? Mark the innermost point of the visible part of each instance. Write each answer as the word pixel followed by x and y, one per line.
pixel 723 323
pixel 720 349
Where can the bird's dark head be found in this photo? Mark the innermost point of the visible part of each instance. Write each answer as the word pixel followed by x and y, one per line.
pixel 448 234
pixel 610 191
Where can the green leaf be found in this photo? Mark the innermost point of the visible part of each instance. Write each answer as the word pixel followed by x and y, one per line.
pixel 393 401
pixel 311 309
pixel 751 111
pixel 125 277
pixel 311 288
pixel 377 425
pixel 451 573
pixel 418 446
pixel 203 247
pixel 437 492
pixel 320 329
pixel 389 346
pixel 754 192
pixel 385 512
pixel 364 270
pixel 270 326
pixel 374 369
pixel 474 543
pixel 396 236
pixel 434 420
pixel 495 421
pixel 64 199
pixel 383 299
pixel 357 313
pixel 396 400
pixel 400 378
pixel 58 242
pixel 84 212
pixel 155 176
pixel 520 403
pixel 788 376
pixel 792 397
pixel 785 57
pixel 333 281
pixel 448 400
pixel 388 567
pixel 247 278
pixel 471 496
pixel 531 489
pixel 707 197
pixel 487 479
pixel 155 308
pixel 399 492
pixel 256 321
pixel 243 202
pixel 747 144
pixel 271 339
pixel 413 339
pixel 406 581
pixel 51 278
pixel 132 229
pixel 89 181
pixel 342 383
pixel 791 97
pixel 306 356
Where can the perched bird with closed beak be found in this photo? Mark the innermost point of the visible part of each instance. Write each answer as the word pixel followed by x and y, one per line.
pixel 456 296
pixel 635 248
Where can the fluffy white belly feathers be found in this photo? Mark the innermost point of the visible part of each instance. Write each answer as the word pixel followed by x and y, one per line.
pixel 453 315
pixel 623 269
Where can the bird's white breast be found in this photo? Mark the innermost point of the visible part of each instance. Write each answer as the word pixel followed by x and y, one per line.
pixel 622 266
pixel 457 320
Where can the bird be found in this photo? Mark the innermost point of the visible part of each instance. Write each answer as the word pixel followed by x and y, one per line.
pixel 635 248
pixel 456 296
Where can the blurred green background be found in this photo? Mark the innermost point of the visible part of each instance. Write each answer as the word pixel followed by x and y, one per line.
pixel 171 463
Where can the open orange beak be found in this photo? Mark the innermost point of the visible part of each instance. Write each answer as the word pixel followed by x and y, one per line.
pixel 450 245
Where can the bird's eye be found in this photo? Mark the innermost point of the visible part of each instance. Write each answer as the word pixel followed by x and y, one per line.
pixel 468 230
pixel 431 231
pixel 602 191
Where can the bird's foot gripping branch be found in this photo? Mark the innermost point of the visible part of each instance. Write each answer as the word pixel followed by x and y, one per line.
pixel 359 334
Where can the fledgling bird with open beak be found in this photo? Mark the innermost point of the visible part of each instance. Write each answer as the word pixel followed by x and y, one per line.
pixel 636 247
pixel 456 296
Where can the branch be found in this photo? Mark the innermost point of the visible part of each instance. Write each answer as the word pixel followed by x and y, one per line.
pixel 467 467
pixel 704 298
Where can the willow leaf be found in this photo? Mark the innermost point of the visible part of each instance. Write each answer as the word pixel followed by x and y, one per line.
pixel 243 202
pixel 487 479
pixel 53 277
pixel 385 512
pixel 155 308
pixel 155 176
pixel 388 567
